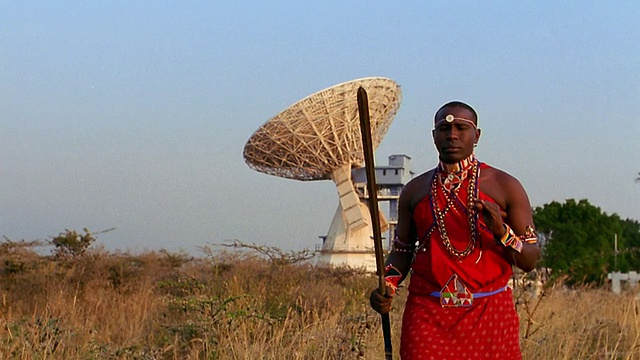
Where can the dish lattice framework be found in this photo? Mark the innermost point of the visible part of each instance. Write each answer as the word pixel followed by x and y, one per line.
pixel 321 132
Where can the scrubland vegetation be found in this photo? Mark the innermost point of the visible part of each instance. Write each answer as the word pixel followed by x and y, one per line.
pixel 256 303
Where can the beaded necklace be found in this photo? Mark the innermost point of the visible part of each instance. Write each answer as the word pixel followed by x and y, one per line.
pixel 450 196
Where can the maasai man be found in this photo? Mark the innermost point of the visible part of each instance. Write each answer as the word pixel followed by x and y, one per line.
pixel 461 227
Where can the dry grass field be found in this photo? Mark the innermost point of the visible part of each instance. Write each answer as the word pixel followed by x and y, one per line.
pixel 235 305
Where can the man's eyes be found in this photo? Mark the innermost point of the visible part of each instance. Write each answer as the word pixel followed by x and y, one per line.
pixel 461 127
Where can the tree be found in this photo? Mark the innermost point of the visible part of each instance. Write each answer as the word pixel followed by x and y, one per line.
pixel 578 240
pixel 629 256
pixel 72 244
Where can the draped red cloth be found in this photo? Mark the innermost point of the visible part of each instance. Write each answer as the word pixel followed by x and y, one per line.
pixel 489 328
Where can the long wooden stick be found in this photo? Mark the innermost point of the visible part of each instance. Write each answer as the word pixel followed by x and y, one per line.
pixel 367 147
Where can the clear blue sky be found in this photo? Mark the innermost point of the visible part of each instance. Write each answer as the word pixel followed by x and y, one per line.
pixel 134 114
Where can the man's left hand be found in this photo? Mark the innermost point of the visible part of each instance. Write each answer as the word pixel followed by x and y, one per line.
pixel 493 216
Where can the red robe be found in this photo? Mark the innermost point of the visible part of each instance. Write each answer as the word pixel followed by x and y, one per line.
pixel 489 328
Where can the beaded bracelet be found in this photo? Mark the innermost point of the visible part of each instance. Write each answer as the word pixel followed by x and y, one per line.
pixel 396 240
pixel 529 236
pixel 401 250
pixel 517 245
pixel 510 239
pixel 392 278
pixel 402 247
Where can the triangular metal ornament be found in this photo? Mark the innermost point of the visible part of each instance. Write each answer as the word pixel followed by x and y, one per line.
pixel 455 293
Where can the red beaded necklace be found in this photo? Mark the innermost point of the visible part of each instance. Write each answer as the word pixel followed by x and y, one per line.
pixel 449 184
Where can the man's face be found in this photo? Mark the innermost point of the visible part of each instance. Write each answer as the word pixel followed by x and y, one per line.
pixel 455 140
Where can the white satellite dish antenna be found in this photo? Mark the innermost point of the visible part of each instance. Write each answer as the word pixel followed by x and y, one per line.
pixel 318 138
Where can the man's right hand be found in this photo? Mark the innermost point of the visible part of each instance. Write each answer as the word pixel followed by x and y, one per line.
pixel 381 303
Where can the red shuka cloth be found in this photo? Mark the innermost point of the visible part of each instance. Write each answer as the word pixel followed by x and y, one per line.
pixel 489 328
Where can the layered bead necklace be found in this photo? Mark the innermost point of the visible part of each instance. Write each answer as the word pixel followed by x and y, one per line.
pixel 451 177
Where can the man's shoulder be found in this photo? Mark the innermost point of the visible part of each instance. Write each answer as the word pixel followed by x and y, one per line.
pixel 499 179
pixel 497 174
pixel 420 180
pixel 416 189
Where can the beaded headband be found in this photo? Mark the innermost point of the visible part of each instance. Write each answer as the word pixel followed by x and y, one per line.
pixel 450 118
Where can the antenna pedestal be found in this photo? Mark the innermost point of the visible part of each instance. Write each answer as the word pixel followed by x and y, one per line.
pixel 346 245
pixel 349 240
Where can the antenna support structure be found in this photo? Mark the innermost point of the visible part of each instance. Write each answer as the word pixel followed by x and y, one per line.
pixel 318 138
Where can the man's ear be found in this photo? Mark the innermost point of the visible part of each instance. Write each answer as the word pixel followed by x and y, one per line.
pixel 478 133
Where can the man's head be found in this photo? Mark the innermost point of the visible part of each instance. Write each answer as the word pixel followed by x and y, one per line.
pixel 455 131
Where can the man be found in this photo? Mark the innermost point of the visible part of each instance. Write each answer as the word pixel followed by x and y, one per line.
pixel 461 227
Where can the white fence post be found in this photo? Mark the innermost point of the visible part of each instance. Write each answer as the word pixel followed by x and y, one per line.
pixel 616 277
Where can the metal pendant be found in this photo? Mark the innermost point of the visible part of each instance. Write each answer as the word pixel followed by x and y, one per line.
pixel 455 294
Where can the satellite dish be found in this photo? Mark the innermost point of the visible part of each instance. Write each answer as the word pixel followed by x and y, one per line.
pixel 318 138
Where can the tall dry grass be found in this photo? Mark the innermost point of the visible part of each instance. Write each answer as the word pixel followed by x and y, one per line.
pixel 236 305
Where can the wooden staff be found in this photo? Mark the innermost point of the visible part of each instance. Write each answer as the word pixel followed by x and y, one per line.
pixel 367 147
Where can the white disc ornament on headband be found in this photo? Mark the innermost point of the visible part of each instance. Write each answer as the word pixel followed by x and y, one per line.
pixel 450 118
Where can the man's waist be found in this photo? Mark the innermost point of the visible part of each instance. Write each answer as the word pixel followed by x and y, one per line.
pixel 475 295
pixel 423 285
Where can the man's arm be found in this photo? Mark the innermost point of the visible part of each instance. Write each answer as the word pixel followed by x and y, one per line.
pixel 404 243
pixel 399 260
pixel 519 218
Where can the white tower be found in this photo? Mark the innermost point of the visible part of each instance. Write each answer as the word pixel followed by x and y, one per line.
pixel 318 138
